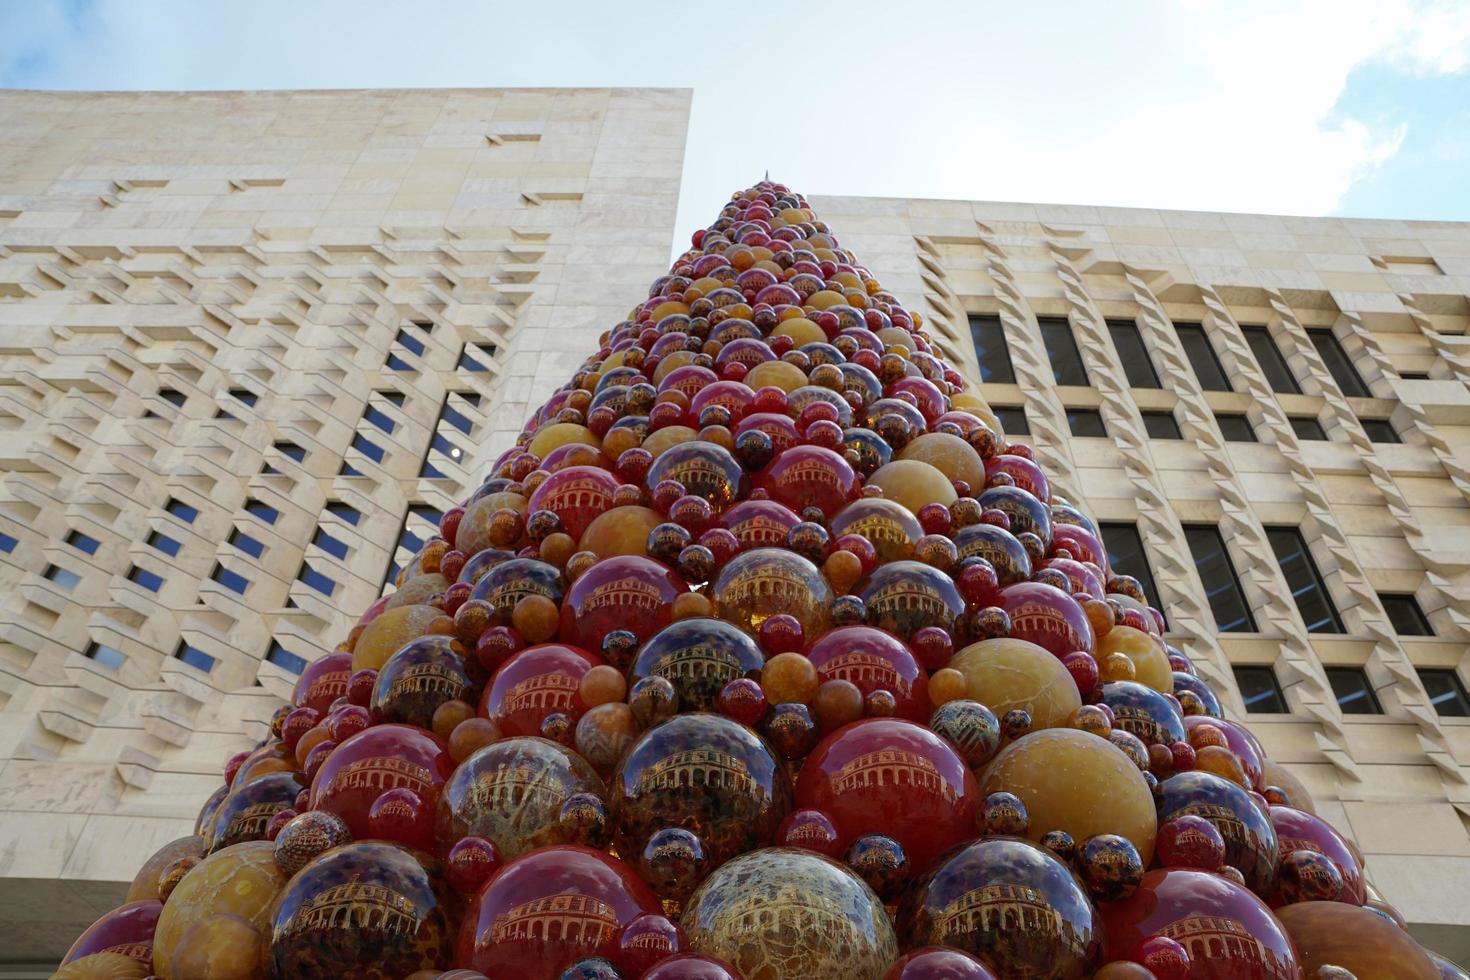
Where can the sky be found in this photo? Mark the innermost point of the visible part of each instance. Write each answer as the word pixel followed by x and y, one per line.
pixel 1348 107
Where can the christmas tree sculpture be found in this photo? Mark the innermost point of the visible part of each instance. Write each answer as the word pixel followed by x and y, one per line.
pixel 765 655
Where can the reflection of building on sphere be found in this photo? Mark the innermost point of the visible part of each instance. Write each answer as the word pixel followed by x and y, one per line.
pixel 696 663
pixel 766 581
pixel 1037 619
pixel 791 909
pixel 429 678
pixel 907 595
pixel 382 773
pixel 892 767
pixel 697 767
pixel 509 787
pixel 551 691
pixel 760 531
pixel 356 905
pixel 862 668
pixel 578 493
pixel 1225 820
pixel 880 530
pixel 1009 909
pixel 807 472
pixel 250 823
pixel 628 593
pixel 568 917
pixel 1215 938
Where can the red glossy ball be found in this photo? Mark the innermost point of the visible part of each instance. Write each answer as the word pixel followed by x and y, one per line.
pixel 470 863
pixel 875 660
pixel 537 682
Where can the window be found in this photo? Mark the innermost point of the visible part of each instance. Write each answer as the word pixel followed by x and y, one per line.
pixel 1415 376
pixel 1305 582
pixel 1207 367
pixel 348 470
pixel 379 418
pixel 1354 695
pixel 316 579
pixel 163 543
pixel 1127 557
pixel 1273 365
pixel 148 580
pixel 419 525
pixel 173 396
pixel 1307 427
pixel 329 544
pixel 344 512
pixel 1380 430
pixel 1012 418
pixel 1405 615
pixel 409 342
pixel 1235 427
pixel 397 363
pixel 7 543
pixel 263 511
pixel 105 655
pixel 1061 349
pixel 182 510
pixel 368 448
pixel 441 445
pixel 1161 425
pixel 284 658
pixel 62 577
pixel 246 543
pixel 487 352
pixel 244 396
pixel 1133 354
pixel 290 449
pixel 194 657
pixel 1445 692
pixel 233 581
pixel 1217 575
pixel 396 397
pixel 457 419
pixel 220 413
pixel 1086 422
pixel 83 542
pixel 1259 690
pixel 1338 364
pixel 991 351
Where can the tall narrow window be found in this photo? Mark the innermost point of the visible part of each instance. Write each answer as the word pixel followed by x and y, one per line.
pixel 194 657
pixel 1127 557
pixel 262 510
pixel 420 523
pixel 109 657
pixel 1273 365
pixel 344 512
pixel 244 396
pixel 329 544
pixel 316 580
pixel 379 418
pixel 7 543
pixel 1086 422
pixel 409 342
pixel 1308 428
pixel 1446 692
pixel 1217 575
pixel 246 543
pixel 233 581
pixel 1201 354
pixel 284 658
pixel 148 580
pixel 1133 353
pixel 1354 694
pixel 1380 430
pixel 163 543
pixel 477 357
pixel 1235 427
pixel 368 448
pixel 1305 582
pixel 61 576
pixel 1161 425
pixel 1405 615
pixel 1012 418
pixel 991 350
pixel 83 542
pixel 1338 364
pixel 173 396
pixel 1061 349
pixel 1259 690
pixel 182 510
pixel 291 449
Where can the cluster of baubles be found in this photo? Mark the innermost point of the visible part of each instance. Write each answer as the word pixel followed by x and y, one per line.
pixel 763 655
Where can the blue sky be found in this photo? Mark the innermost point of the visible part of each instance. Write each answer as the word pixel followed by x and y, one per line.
pixel 1357 107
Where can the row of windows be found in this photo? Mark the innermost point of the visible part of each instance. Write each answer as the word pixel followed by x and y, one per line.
pixel 993 353
pixel 1262 694
pixel 1234 426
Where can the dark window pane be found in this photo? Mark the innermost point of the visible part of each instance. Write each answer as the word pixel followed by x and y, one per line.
pixel 1273 365
pixel 1133 353
pixel 431 472
pixel 62 577
pixel 163 543
pixel 7 543
pixel 991 350
pixel 1217 575
pixel 292 450
pixel 148 580
pixel 1086 422
pixel 1307 427
pixel 1445 692
pixel 263 511
pixel 443 446
pixel 379 418
pixel 107 656
pixel 1061 348
pixel 194 657
pixel 344 511
pixel 409 342
pixel 1235 428
pixel 468 363
pixel 1380 430
pixel 471 398
pixel 368 448
pixel 420 523
pixel 244 395
pixel 1338 364
pixel 1127 557
pixel 1202 357
pixel 1415 375
pixel 329 544
pixel 1354 696
pixel 1405 615
pixel 1305 582
pixel 285 659
pixel 1161 425
pixel 222 414
pixel 246 543
pixel 316 580
pixel 1259 690
pixel 457 419
pixel 83 542
pixel 233 581
pixel 348 470
pixel 1012 418
pixel 397 363
pixel 396 397
pixel 182 510
pixel 173 396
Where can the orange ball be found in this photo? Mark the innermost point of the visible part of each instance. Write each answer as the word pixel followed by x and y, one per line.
pixel 557 548
pixel 692 605
pixel 1222 762
pixel 837 703
pixel 842 569
pixel 1117 667
pixel 314 736
pixel 1202 736
pixel 448 716
pixel 578 564
pixel 1099 616
pixel 946 685
pixel 536 618
pixel 601 685
pixel 789 677
pixel 470 735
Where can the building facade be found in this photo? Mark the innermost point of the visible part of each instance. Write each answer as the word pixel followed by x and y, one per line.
pixel 1270 418
pixel 248 340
